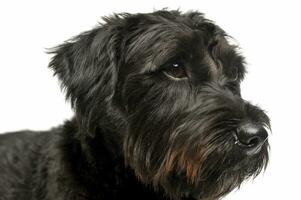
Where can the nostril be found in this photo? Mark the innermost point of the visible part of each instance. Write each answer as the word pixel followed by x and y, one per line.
pixel 254 141
pixel 244 140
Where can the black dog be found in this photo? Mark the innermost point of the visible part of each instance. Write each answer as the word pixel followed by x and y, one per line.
pixel 158 115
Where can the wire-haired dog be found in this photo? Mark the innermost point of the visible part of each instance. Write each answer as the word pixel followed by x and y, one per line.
pixel 158 115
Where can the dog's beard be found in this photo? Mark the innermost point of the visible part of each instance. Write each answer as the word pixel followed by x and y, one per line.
pixel 188 149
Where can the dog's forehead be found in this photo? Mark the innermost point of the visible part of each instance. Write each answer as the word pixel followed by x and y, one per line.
pixel 159 42
pixel 183 45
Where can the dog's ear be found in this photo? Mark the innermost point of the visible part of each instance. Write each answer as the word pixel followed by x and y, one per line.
pixel 87 67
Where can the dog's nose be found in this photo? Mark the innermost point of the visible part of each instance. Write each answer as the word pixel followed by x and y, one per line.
pixel 251 137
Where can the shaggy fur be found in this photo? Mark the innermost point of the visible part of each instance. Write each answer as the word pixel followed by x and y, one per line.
pixel 158 115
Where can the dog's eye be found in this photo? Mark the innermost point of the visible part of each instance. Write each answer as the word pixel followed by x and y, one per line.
pixel 175 71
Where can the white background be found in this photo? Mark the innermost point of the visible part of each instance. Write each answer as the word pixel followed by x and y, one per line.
pixel 268 32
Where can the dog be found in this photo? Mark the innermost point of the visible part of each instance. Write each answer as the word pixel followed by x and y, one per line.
pixel 158 115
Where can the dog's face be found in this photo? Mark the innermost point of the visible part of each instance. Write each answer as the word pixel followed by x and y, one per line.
pixel 169 83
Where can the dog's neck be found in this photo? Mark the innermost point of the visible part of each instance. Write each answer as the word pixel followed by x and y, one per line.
pixel 98 165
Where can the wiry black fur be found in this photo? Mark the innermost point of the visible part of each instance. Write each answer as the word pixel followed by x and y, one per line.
pixel 137 133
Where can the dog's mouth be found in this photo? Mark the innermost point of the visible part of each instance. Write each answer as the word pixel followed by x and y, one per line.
pixel 208 176
pixel 199 168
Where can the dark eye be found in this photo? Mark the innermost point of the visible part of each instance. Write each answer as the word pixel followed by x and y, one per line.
pixel 175 71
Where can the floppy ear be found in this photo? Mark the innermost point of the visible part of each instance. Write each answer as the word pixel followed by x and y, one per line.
pixel 87 68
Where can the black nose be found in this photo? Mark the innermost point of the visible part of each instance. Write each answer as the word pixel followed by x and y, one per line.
pixel 251 137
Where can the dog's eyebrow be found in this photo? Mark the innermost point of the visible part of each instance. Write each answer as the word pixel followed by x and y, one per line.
pixel 160 58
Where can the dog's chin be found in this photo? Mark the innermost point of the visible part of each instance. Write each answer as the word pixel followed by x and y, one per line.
pixel 214 180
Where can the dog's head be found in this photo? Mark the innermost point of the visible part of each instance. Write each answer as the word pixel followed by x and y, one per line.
pixel 169 84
